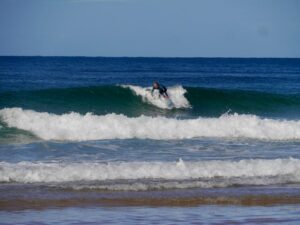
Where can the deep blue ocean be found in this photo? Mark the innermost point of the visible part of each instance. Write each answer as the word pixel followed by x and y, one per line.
pixel 85 135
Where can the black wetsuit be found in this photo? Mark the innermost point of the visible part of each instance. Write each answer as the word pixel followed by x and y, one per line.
pixel 162 90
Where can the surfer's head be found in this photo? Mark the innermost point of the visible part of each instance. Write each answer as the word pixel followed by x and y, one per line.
pixel 155 84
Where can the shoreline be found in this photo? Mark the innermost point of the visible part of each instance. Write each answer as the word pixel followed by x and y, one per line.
pixel 24 197
pixel 247 201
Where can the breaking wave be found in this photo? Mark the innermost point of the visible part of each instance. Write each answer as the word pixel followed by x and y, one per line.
pixel 135 101
pixel 154 175
pixel 176 95
pixel 76 127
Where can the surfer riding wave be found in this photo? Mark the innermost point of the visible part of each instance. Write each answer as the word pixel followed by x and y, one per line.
pixel 161 88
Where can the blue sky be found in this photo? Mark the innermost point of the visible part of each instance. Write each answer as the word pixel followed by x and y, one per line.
pixel 175 28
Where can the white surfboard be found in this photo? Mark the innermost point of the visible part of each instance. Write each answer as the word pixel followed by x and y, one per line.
pixel 169 102
pixel 155 96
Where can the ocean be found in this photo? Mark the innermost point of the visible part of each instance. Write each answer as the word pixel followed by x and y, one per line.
pixel 82 140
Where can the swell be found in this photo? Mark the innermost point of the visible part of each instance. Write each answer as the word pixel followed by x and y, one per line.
pixel 100 100
pixel 213 102
pixel 124 100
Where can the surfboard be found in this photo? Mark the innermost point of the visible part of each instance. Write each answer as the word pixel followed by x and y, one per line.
pixel 169 102
pixel 156 97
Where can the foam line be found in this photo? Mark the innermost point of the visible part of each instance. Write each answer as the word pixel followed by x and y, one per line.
pixel 248 171
pixel 77 127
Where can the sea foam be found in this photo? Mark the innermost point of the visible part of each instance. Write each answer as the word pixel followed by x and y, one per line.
pixel 76 127
pixel 176 95
pixel 147 175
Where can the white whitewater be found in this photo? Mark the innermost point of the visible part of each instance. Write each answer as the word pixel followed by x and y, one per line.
pixel 77 127
pixel 176 95
pixel 168 174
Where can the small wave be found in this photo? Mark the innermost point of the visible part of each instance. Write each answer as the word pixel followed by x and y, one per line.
pixel 176 95
pixel 155 175
pixel 76 127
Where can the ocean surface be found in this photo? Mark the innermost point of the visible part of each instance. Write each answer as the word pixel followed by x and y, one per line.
pixel 82 140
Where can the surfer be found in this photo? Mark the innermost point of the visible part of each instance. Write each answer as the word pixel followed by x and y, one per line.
pixel 161 88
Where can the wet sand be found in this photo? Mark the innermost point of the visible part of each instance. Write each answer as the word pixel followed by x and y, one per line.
pixel 23 197
pixel 175 202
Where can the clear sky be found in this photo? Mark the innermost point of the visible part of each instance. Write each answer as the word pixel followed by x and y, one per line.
pixel 175 28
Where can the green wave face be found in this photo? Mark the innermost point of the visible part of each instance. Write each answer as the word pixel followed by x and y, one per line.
pixel 103 100
pixel 13 135
pixel 116 99
pixel 98 100
pixel 214 102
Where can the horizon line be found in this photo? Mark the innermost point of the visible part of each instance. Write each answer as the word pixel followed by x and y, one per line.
pixel 174 57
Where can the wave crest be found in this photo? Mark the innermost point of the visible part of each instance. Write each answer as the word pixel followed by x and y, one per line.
pixel 133 101
pixel 176 95
pixel 76 127
pixel 155 175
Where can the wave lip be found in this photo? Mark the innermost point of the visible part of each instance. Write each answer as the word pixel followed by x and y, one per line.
pixel 176 95
pixel 165 174
pixel 77 127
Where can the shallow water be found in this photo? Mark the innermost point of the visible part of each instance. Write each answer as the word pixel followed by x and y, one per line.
pixel 289 214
